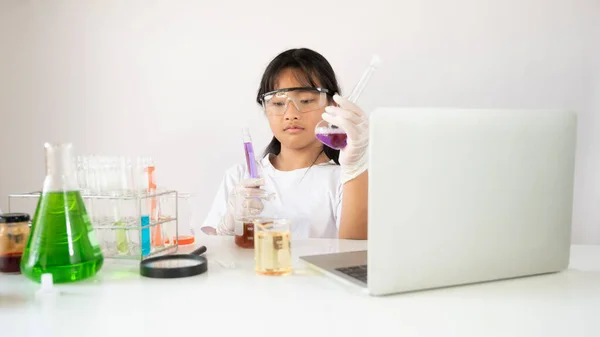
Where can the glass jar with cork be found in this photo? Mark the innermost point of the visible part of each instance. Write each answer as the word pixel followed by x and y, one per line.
pixel 14 232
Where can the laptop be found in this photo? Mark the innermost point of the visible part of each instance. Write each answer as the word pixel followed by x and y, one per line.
pixel 462 196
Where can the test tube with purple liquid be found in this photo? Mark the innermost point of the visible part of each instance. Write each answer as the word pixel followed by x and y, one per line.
pixel 332 135
pixel 249 151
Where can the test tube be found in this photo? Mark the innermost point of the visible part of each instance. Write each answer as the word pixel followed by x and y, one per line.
pixel 249 152
pixel 145 227
pixel 150 169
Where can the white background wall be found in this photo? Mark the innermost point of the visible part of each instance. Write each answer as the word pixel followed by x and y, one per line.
pixel 177 79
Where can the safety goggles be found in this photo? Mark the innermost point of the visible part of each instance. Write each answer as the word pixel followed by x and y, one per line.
pixel 305 99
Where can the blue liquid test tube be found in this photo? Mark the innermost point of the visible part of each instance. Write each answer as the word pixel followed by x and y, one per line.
pixel 145 222
pixel 145 242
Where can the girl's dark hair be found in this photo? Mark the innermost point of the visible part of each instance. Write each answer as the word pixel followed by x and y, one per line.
pixel 313 66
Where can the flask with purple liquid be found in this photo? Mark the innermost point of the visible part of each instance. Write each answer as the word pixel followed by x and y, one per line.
pixel 332 135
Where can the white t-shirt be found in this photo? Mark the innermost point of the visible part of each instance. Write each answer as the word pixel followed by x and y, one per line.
pixel 310 197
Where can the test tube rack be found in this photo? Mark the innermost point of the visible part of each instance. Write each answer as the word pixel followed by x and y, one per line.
pixel 123 235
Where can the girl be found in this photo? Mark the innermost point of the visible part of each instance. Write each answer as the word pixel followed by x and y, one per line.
pixel 323 191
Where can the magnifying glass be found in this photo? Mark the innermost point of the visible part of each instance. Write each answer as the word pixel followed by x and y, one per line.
pixel 175 266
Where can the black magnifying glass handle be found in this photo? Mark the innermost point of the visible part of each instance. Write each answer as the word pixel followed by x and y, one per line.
pixel 199 251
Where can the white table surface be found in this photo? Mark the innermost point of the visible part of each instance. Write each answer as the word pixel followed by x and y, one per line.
pixel 231 298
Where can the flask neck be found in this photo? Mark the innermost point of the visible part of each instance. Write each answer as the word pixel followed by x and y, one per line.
pixel 60 168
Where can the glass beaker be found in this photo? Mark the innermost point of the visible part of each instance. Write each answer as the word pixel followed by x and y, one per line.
pixel 174 210
pixel 249 205
pixel 62 240
pixel 272 246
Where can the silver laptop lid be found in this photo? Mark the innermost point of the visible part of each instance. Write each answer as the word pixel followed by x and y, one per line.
pixel 461 196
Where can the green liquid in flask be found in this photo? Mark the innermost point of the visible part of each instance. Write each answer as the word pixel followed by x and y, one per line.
pixel 62 240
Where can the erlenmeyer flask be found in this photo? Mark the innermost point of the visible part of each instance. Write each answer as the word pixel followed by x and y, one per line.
pixel 62 240
pixel 332 135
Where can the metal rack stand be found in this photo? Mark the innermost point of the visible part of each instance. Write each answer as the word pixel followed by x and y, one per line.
pixel 120 234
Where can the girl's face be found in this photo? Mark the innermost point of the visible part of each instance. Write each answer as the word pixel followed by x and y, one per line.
pixel 295 130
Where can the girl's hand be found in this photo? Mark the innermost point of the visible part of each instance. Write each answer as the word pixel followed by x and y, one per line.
pixel 243 201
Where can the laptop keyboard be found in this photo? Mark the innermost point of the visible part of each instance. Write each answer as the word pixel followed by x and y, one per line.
pixel 357 272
